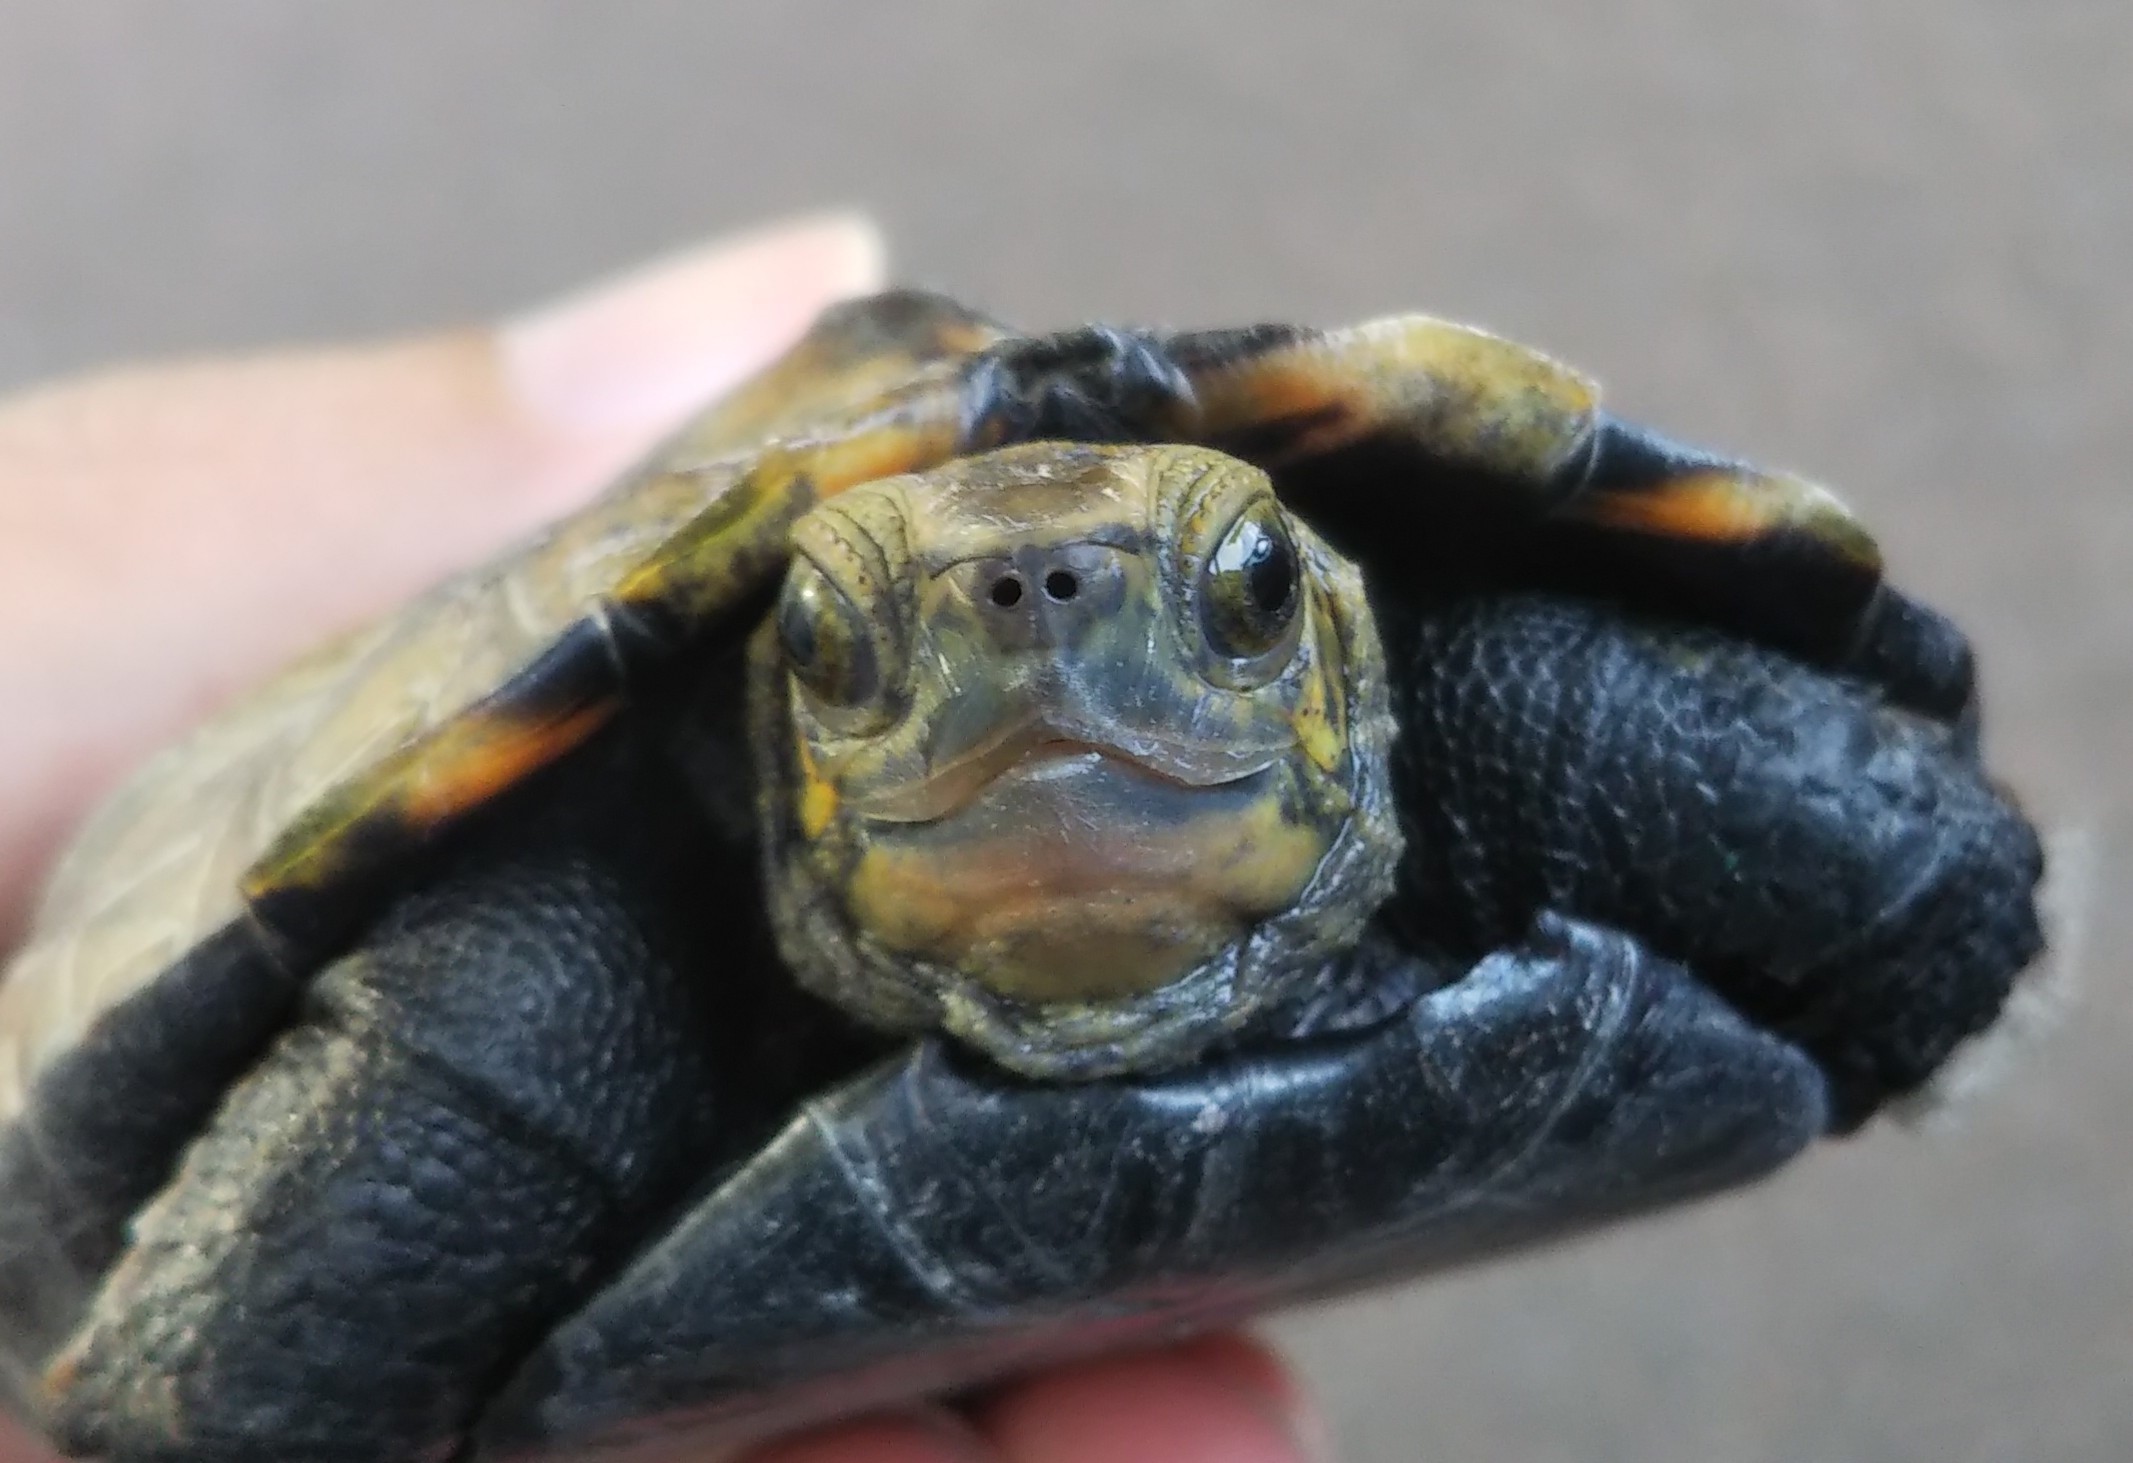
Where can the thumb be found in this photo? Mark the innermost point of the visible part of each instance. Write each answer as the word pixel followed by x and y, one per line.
pixel 170 534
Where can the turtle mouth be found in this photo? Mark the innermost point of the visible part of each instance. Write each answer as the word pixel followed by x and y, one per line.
pixel 1056 869
pixel 1041 750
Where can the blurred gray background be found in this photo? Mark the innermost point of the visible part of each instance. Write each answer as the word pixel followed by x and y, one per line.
pixel 1887 244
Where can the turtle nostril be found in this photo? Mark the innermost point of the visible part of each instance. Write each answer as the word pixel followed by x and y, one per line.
pixel 1006 591
pixel 1061 585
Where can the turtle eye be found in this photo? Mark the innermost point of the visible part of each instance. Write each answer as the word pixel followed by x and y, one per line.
pixel 1250 586
pixel 827 642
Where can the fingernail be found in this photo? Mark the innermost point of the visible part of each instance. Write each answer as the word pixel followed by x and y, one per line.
pixel 641 350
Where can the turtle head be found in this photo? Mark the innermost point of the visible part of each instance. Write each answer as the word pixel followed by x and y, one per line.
pixel 1077 751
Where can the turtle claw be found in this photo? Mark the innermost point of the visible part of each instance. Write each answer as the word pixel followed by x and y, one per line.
pixel 1919 659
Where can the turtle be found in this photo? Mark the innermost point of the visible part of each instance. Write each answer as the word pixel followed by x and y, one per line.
pixel 987 846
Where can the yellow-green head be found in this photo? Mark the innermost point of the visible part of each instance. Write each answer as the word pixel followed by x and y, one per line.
pixel 1078 751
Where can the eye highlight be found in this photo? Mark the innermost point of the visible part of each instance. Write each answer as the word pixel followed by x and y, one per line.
pixel 828 644
pixel 1251 585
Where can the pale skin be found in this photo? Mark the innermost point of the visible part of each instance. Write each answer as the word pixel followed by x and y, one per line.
pixel 169 534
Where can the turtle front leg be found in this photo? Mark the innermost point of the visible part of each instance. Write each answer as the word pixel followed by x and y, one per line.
pixel 1833 863
pixel 936 1224
pixel 472 1118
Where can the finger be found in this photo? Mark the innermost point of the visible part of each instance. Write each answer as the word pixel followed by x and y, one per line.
pixel 16 1446
pixel 1220 1400
pixel 920 1436
pixel 169 535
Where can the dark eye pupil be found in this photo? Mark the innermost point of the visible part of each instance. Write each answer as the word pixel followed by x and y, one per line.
pixel 825 641
pixel 796 627
pixel 1249 587
pixel 1269 573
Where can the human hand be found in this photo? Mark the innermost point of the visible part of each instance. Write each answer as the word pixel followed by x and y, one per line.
pixel 170 534
pixel 1221 1399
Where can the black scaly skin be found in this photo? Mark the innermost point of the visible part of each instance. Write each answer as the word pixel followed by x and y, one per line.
pixel 1840 869
pixel 471 1119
